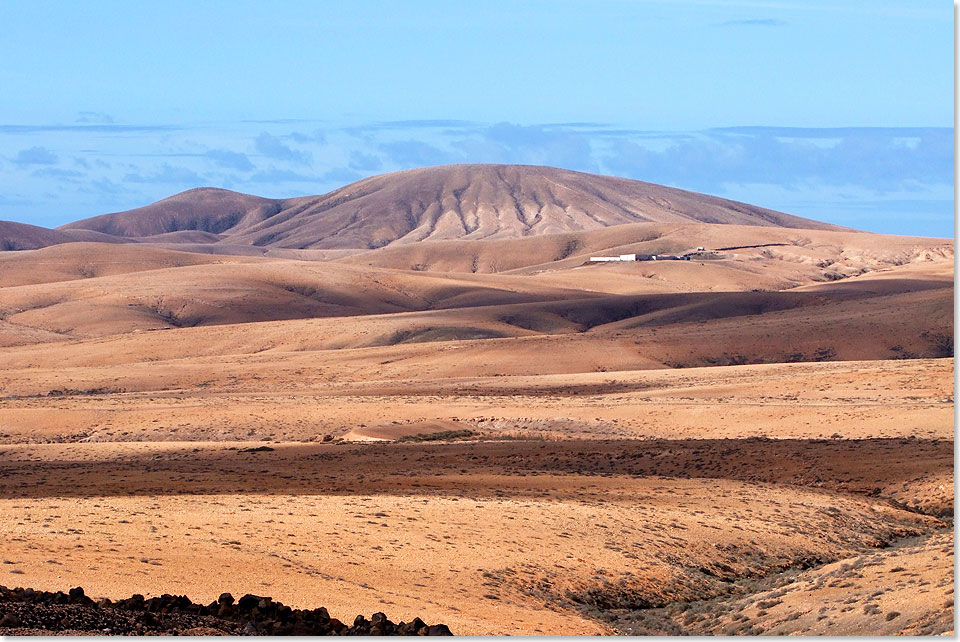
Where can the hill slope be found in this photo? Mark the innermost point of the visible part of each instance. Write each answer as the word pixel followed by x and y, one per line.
pixel 811 251
pixel 21 236
pixel 469 202
pixel 203 209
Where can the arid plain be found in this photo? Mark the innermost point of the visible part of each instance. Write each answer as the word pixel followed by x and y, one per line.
pixel 417 395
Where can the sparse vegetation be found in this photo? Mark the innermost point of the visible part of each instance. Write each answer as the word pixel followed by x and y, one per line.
pixel 443 435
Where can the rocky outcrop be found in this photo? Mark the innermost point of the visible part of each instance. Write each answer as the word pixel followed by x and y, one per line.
pixel 24 611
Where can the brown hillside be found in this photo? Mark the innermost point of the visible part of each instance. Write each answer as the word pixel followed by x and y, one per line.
pixel 469 202
pixel 21 236
pixel 73 261
pixel 203 209
pixel 804 250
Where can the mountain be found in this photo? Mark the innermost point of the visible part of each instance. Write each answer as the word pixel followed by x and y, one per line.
pixel 469 202
pixel 21 236
pixel 204 209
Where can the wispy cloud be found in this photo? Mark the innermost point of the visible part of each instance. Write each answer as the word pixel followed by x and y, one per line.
pixel 102 129
pixel 6 201
pixel 316 137
pixel 282 121
pixel 230 160
pixel 57 173
pixel 97 117
pixel 417 153
pixel 35 156
pixel 105 187
pixel 274 175
pixel 413 124
pixel 831 132
pixel 877 159
pixel 272 147
pixel 341 175
pixel 167 174
pixel 363 162
pixel 565 146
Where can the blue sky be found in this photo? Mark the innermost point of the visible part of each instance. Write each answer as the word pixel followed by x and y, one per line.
pixel 841 111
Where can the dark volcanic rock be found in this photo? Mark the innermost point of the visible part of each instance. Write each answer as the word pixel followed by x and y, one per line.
pixel 10 620
pixel 30 612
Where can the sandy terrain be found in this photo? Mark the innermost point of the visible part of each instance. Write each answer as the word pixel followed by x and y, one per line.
pixel 505 537
pixel 492 434
pixel 255 399
pixel 549 533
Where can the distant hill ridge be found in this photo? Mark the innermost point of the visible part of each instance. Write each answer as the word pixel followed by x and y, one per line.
pixel 22 236
pixel 470 202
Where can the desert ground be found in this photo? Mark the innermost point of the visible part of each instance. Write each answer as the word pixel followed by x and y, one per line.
pixel 451 414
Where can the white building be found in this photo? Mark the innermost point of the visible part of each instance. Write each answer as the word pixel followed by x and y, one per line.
pixel 604 259
pixel 621 258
